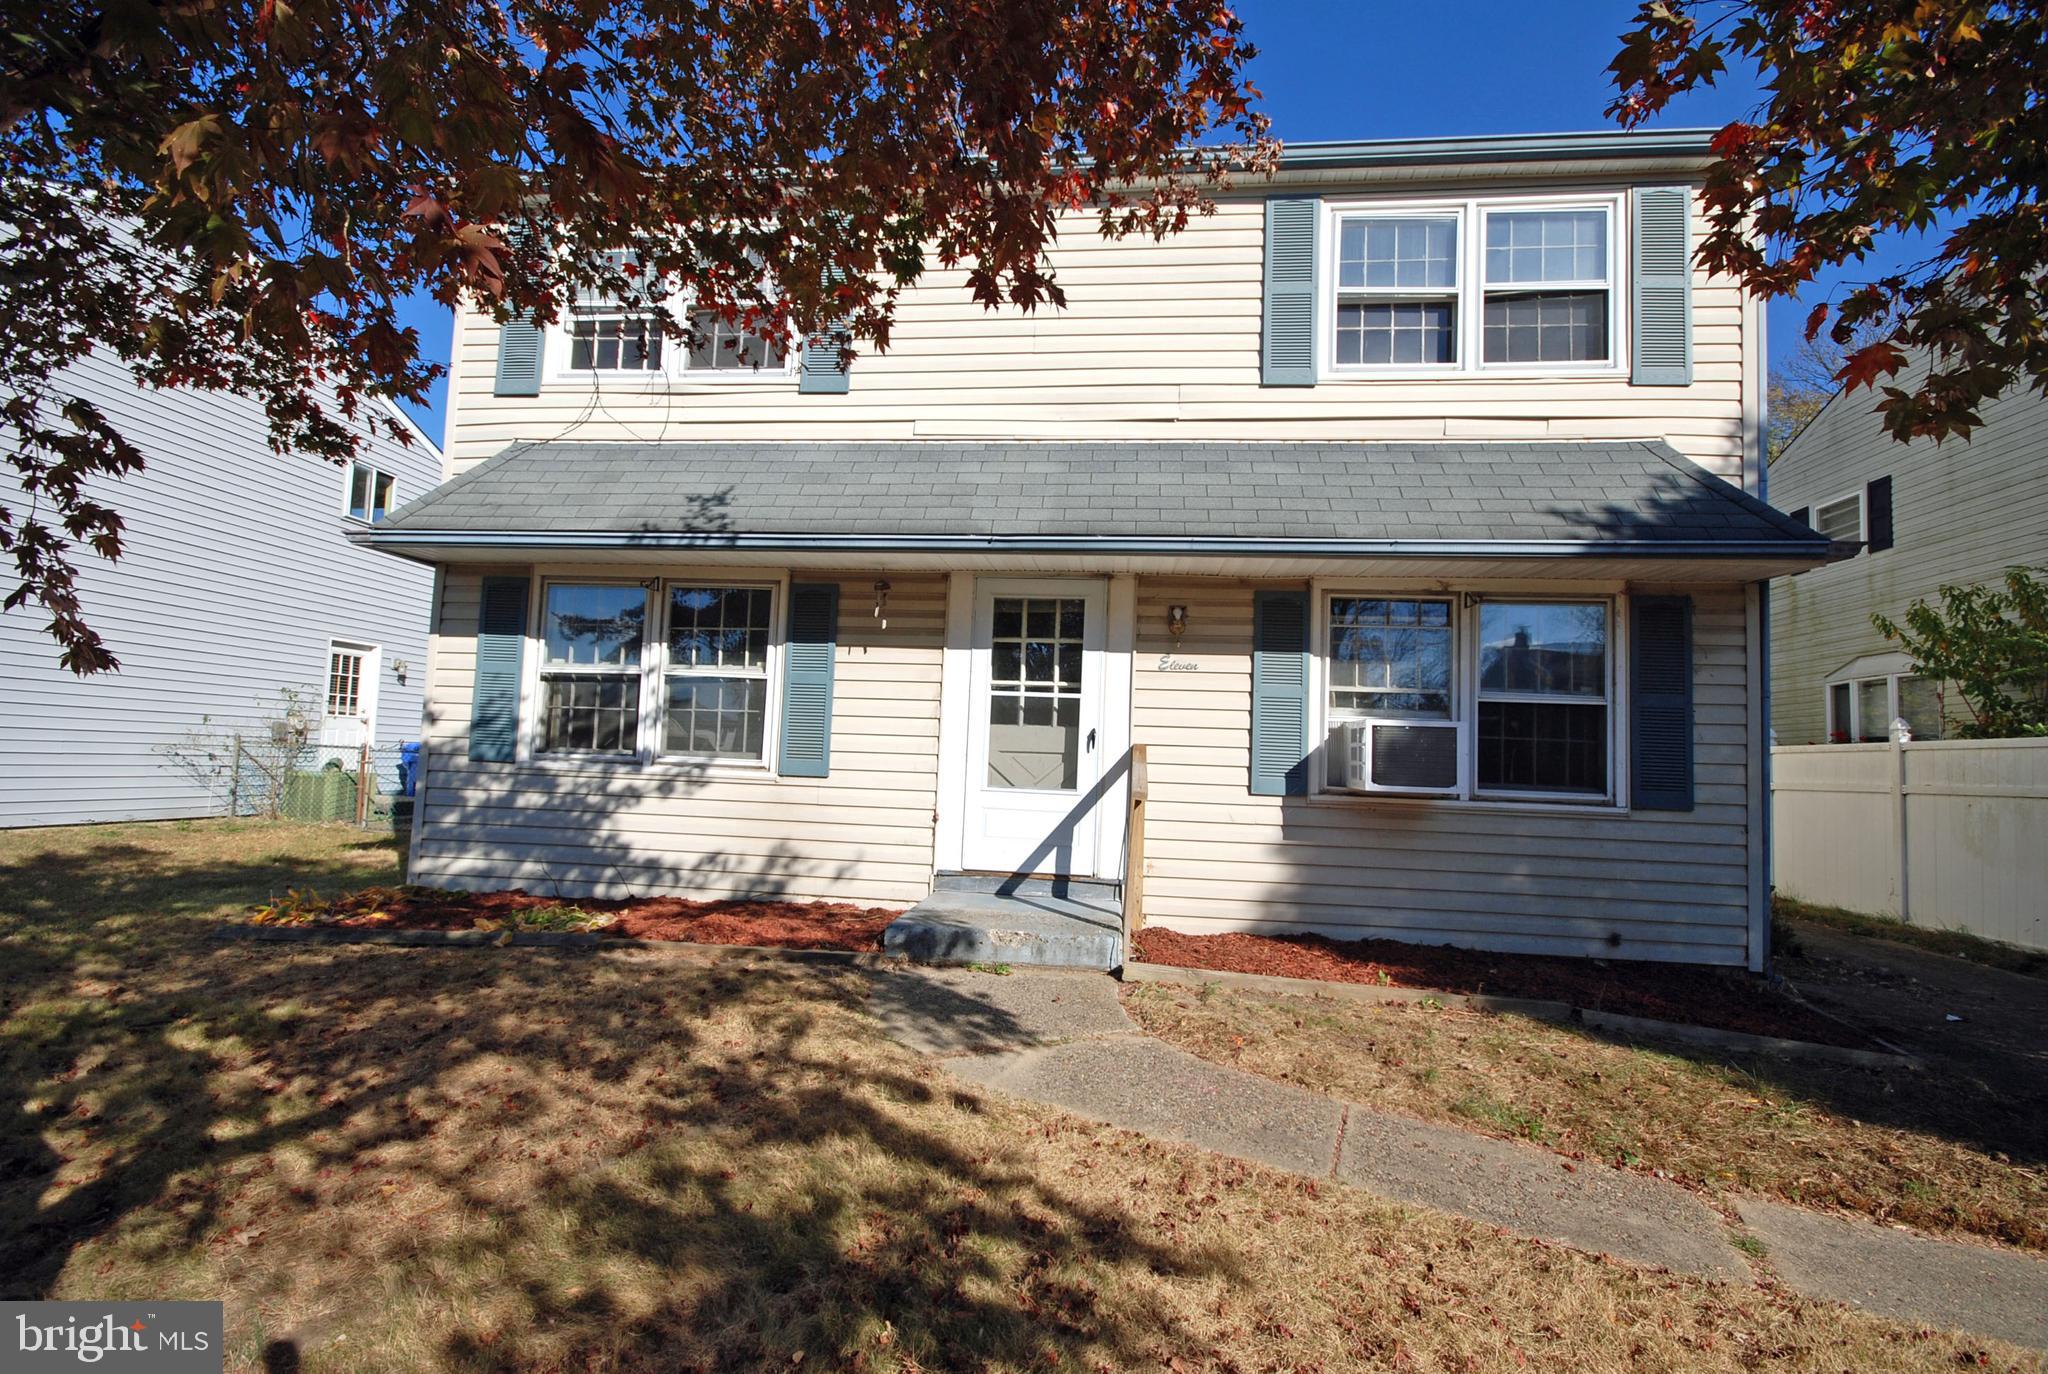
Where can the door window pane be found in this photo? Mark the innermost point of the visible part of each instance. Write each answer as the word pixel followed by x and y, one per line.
pixel 1035 675
pixel 344 683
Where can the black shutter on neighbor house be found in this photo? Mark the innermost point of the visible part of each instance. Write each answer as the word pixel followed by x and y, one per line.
pixel 500 642
pixel 1660 704
pixel 1280 693
pixel 806 746
pixel 1804 515
pixel 1877 512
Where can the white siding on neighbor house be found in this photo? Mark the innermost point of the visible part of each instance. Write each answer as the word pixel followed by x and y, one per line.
pixel 1670 885
pixel 235 577
pixel 1963 512
pixel 863 834
pixel 1158 340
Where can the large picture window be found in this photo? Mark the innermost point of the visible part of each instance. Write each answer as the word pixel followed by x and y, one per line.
pixel 1486 699
pixel 1473 285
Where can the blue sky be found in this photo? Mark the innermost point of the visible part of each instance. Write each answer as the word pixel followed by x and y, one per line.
pixel 1338 69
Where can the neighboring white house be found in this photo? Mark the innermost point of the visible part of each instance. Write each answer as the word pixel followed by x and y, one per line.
pixel 1403 509
pixel 1923 515
pixel 237 584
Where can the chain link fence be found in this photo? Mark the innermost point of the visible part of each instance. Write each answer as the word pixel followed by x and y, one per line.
pixel 282 774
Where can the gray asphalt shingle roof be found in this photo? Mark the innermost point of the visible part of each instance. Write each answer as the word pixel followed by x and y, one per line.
pixel 1567 491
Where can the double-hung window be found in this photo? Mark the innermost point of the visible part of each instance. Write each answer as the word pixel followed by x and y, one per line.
pixel 592 646
pixel 607 334
pixel 1397 290
pixel 1479 698
pixel 1549 285
pixel 1542 717
pixel 715 683
pixel 1465 286
pixel 703 670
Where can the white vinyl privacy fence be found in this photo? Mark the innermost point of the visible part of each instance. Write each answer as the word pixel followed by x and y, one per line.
pixel 1949 834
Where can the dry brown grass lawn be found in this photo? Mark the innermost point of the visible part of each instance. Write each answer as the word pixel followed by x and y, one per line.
pixel 403 1160
pixel 1889 1143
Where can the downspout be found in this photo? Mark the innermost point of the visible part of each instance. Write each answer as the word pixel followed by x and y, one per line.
pixel 1753 380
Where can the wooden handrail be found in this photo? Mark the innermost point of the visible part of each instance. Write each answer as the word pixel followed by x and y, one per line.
pixel 1134 851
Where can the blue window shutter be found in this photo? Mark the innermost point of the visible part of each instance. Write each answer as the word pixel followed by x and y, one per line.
pixel 500 643
pixel 806 750
pixel 1660 704
pixel 821 370
pixel 1280 694
pixel 1289 322
pixel 1663 286
pixel 1877 510
pixel 519 348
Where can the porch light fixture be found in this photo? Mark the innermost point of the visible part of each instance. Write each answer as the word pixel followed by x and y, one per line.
pixel 399 668
pixel 1176 623
pixel 882 604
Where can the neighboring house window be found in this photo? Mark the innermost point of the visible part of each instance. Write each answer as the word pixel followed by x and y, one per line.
pixel 715 687
pixel 345 682
pixel 1507 700
pixel 369 493
pixel 591 649
pixel 1472 285
pixel 1840 519
pixel 1861 710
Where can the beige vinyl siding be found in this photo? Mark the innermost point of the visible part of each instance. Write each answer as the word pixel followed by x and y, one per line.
pixel 1670 885
pixel 1963 512
pixel 863 834
pixel 1158 340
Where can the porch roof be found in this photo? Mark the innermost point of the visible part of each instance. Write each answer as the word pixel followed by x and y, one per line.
pixel 1636 499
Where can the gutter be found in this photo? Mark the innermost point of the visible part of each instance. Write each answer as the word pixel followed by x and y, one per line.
pixel 1425 152
pixel 398 541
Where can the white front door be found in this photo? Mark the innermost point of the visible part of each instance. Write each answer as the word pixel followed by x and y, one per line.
pixel 1036 751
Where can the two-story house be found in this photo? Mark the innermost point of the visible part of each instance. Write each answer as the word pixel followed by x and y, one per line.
pixel 1403 509
pixel 237 586
pixel 1921 516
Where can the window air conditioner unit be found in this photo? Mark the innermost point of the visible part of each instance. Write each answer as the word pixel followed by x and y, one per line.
pixel 1399 756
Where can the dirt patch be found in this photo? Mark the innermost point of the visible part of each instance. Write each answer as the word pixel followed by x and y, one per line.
pixel 789 925
pixel 1664 992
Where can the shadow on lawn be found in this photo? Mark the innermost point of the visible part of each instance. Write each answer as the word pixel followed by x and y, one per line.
pixel 569 1159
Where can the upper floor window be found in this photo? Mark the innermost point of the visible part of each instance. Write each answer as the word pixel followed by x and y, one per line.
pixel 718 346
pixel 604 334
pixel 369 493
pixel 1470 285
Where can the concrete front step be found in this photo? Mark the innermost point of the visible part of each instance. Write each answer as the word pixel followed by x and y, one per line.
pixel 968 927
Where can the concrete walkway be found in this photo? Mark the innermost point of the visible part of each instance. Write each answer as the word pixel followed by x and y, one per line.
pixel 1062 1038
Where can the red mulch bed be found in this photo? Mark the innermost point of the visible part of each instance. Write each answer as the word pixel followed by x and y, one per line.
pixel 791 925
pixel 1663 992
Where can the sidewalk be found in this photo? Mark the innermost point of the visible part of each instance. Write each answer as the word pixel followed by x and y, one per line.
pixel 1063 1039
